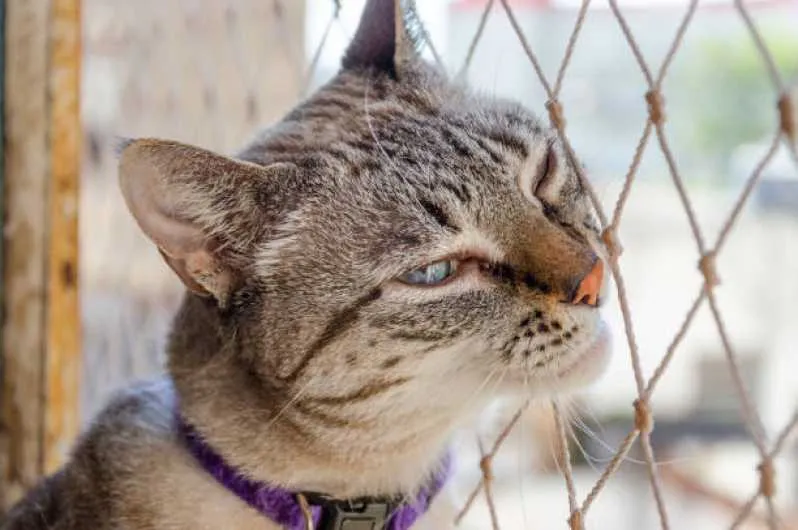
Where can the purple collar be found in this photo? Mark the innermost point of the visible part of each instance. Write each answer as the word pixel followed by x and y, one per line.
pixel 281 505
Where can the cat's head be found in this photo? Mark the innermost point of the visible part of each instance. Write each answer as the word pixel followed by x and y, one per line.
pixel 396 244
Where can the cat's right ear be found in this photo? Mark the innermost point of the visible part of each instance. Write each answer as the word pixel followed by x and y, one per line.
pixel 386 38
pixel 192 204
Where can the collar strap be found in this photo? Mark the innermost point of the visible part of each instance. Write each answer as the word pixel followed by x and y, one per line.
pixel 289 508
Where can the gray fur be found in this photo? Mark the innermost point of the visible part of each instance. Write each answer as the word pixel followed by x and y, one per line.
pixel 297 353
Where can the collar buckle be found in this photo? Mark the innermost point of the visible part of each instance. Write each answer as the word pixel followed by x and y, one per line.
pixel 353 515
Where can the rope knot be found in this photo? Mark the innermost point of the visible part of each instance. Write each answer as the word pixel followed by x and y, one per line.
pixel 610 239
pixel 644 421
pixel 556 114
pixel 707 267
pixel 656 106
pixel 485 464
pixel 767 478
pixel 575 521
pixel 787 117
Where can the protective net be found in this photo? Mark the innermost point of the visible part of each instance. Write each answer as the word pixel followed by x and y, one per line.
pixel 655 125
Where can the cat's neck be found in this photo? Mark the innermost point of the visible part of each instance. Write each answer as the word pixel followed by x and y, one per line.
pixel 247 420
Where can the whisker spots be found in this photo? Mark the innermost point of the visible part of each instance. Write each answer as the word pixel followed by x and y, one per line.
pixel 507 349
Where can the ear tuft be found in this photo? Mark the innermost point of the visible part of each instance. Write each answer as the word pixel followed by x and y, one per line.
pixel 120 144
pixel 386 38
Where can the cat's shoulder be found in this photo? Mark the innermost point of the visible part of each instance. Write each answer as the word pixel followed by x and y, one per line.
pixel 127 438
pixel 121 443
pixel 136 421
pixel 134 465
pixel 141 411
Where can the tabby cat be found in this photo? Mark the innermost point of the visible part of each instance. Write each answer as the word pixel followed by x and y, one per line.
pixel 355 278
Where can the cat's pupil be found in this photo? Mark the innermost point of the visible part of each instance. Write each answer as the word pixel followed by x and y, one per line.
pixel 431 274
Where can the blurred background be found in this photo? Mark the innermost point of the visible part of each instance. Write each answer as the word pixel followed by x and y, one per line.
pixel 212 72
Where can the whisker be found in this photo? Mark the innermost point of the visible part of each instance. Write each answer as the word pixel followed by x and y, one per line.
pixel 590 459
pixel 290 403
pixel 553 452
pixel 585 429
pixel 584 409
pixel 483 385
pixel 522 448
pixel 582 426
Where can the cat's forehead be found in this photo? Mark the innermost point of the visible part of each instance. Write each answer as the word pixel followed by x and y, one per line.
pixel 402 150
pixel 425 103
pixel 375 126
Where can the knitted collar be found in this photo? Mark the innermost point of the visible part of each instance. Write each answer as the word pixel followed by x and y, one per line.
pixel 283 506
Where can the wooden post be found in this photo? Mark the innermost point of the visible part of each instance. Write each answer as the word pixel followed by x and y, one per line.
pixel 41 331
pixel 63 307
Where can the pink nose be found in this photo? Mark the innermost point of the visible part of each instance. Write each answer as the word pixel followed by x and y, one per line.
pixel 590 287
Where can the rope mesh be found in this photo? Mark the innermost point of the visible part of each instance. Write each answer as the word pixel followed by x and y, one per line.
pixel 643 423
pixel 655 126
pixel 707 264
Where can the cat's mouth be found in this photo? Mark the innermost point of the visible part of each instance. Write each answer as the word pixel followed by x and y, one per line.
pixel 587 364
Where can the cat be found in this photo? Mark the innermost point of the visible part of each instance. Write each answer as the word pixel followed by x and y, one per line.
pixel 355 277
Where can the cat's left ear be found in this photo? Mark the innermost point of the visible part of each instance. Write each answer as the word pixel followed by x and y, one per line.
pixel 199 208
pixel 386 39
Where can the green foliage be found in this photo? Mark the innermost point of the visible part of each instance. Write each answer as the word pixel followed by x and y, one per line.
pixel 728 90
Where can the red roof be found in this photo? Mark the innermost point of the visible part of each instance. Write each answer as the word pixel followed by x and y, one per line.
pixel 473 4
pixel 539 4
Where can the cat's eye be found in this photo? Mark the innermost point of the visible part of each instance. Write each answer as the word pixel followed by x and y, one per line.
pixel 429 275
pixel 546 170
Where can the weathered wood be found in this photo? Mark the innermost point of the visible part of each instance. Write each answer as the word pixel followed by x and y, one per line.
pixel 4 447
pixel 40 354
pixel 3 435
pixel 63 310
pixel 25 233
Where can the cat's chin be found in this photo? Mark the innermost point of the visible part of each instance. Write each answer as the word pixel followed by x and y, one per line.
pixel 589 363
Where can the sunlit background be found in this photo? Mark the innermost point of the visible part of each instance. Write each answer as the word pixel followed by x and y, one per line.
pixel 211 72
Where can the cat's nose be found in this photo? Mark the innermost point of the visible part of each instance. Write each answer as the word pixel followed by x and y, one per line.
pixel 589 289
